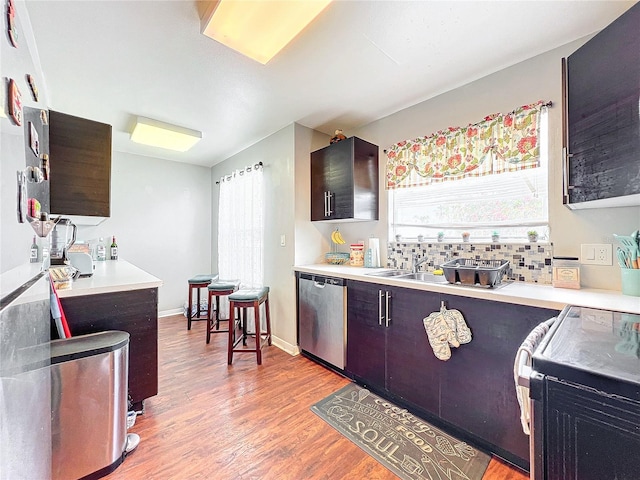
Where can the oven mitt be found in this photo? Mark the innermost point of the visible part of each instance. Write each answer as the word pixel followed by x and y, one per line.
pixel 456 322
pixel 440 335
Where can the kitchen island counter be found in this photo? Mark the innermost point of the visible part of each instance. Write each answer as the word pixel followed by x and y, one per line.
pixel 109 277
pixel 521 293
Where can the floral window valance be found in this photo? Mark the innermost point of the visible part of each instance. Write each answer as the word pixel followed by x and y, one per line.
pixel 502 142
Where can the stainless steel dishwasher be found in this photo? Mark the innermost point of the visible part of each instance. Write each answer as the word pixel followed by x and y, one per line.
pixel 322 313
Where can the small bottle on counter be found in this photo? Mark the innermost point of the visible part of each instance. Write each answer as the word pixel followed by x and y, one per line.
pixel 114 249
pixel 33 256
pixel 101 250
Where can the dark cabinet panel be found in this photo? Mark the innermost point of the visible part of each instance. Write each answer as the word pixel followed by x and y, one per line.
pixel 366 336
pixel 135 312
pixel 413 371
pixel 476 383
pixel 80 156
pixel 602 90
pixel 590 435
pixel 344 181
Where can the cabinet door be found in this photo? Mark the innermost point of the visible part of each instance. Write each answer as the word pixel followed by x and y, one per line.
pixel 319 176
pixel 590 435
pixel 332 182
pixel 365 334
pixel 413 372
pixel 340 179
pixel 80 152
pixel 477 386
pixel 603 85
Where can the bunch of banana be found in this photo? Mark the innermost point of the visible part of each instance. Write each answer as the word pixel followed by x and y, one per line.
pixel 336 237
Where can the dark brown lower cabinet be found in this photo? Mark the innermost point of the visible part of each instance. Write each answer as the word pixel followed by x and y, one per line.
pixel 476 383
pixel 132 311
pixel 473 392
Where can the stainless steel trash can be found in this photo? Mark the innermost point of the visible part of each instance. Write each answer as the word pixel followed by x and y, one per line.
pixel 88 404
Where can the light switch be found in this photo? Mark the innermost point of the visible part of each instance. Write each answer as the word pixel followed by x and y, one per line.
pixel 282 240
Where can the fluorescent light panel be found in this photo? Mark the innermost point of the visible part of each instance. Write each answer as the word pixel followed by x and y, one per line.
pixel 259 29
pixel 164 135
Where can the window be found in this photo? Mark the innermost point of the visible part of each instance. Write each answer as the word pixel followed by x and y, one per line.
pixel 509 203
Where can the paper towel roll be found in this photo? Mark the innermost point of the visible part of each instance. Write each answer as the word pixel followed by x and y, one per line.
pixel 374 245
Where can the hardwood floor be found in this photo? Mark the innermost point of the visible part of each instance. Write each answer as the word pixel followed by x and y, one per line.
pixel 244 421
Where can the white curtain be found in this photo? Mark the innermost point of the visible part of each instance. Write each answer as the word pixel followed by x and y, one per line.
pixel 241 229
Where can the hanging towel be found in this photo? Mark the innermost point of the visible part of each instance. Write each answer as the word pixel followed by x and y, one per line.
pixel 445 329
pixel 523 356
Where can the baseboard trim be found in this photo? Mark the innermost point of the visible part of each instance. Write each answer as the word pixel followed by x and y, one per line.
pixel 168 313
pixel 285 346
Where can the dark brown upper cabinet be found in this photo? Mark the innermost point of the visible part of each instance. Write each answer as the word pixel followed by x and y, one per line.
pixel 344 181
pixel 80 156
pixel 601 82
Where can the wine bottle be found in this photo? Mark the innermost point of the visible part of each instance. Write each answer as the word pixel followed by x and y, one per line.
pixel 101 250
pixel 114 249
pixel 33 257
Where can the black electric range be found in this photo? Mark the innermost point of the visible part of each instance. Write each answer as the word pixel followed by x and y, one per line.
pixel 585 391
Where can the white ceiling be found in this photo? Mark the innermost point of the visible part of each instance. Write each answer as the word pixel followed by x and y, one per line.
pixel 359 61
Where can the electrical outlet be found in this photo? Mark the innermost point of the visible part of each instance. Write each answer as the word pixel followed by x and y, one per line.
pixel 596 254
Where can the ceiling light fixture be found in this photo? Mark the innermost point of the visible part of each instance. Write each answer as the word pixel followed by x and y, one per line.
pixel 259 29
pixel 164 135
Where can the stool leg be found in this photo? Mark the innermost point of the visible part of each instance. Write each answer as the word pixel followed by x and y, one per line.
pixel 244 326
pixel 256 314
pixel 217 312
pixel 209 317
pixel 189 308
pixel 232 329
pixel 198 297
pixel 268 317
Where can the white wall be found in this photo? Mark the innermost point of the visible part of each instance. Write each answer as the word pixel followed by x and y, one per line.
pixel 161 217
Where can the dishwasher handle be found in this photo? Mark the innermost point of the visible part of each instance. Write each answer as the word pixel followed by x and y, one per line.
pixel 323 280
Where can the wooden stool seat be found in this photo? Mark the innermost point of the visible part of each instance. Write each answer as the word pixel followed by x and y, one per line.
pixel 243 299
pixel 218 289
pixel 197 282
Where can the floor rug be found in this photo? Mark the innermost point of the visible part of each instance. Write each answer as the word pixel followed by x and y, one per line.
pixel 408 446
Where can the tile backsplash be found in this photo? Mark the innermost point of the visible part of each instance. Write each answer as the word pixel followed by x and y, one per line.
pixel 528 262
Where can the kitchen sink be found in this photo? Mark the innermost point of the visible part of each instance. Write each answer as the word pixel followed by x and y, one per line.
pixel 388 273
pixel 424 277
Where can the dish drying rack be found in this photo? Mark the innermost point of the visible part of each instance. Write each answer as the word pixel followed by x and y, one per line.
pixel 467 271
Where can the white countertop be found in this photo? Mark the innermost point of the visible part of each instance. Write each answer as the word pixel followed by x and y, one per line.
pixel 111 276
pixel 521 293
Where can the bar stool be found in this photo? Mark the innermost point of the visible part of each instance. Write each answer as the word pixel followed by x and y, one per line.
pixel 198 282
pixel 219 288
pixel 243 299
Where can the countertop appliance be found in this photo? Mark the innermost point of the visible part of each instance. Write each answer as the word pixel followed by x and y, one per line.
pixel 322 313
pixel 63 236
pixel 585 397
pixel 82 262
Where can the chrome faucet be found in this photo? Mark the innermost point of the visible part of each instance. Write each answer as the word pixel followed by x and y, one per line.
pixel 417 262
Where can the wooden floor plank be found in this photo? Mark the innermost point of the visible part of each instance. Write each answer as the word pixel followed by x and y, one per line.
pixel 244 421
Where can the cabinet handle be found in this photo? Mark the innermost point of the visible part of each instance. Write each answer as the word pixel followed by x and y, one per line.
pixel 329 211
pixel 326 209
pixel 565 173
pixel 388 317
pixel 380 316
